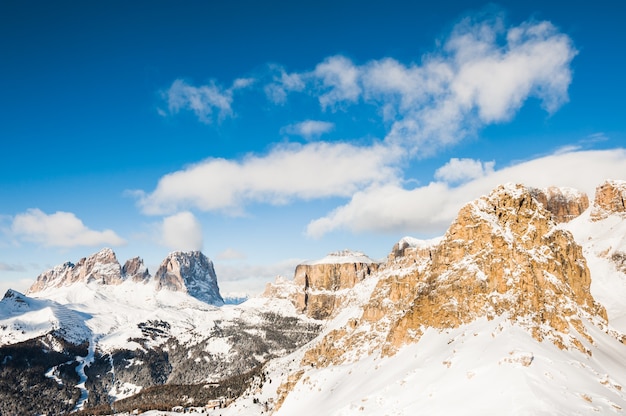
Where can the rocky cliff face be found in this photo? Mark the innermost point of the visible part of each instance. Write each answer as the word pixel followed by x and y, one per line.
pixel 101 267
pixel 502 256
pixel 564 204
pixel 610 199
pixel 322 282
pixel 192 272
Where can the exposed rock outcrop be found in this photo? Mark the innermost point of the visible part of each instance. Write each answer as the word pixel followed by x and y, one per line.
pixel 323 281
pixel 564 204
pixel 190 272
pixel 319 287
pixel 610 199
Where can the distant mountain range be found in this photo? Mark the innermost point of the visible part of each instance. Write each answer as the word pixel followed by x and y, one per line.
pixel 518 309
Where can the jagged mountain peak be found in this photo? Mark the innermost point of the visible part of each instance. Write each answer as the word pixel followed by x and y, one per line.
pixel 135 270
pixel 504 255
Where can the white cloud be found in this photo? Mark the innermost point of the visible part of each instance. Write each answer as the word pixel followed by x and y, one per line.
pixel 182 231
pixel 61 229
pixel 314 170
pixel 387 208
pixel 430 209
pixel 340 81
pixel 308 128
pixel 482 75
pixel 463 170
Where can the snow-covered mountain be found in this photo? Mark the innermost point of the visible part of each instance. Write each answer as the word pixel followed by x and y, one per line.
pixel 505 314
pixel 190 272
pixel 518 309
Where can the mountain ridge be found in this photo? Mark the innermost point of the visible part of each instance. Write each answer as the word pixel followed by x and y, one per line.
pixel 185 271
pixel 516 309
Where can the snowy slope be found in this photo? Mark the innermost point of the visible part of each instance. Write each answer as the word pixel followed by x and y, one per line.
pixel 23 318
pixel 341 257
pixel 483 368
pixel 604 247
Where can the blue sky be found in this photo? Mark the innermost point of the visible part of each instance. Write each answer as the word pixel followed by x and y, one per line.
pixel 268 133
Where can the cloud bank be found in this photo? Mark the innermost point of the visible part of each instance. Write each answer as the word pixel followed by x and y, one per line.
pixel 314 170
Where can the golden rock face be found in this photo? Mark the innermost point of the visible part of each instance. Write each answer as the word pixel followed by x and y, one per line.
pixel 502 256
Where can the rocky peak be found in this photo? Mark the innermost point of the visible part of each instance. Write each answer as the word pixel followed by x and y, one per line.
pixel 135 270
pixel 503 255
pixel 610 199
pixel 191 272
pixel 101 267
pixel 564 204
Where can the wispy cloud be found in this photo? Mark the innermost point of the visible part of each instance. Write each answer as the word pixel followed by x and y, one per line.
pixel 481 74
pixel 182 231
pixel 61 229
pixel 207 102
pixel 430 209
pixel 308 129
pixel 281 84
